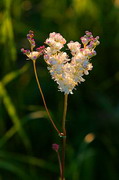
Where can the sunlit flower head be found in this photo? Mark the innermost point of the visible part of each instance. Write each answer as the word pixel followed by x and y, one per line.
pixel 69 72
pixel 55 41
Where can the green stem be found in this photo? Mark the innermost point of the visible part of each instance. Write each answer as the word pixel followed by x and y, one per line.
pixel 64 132
pixel 43 98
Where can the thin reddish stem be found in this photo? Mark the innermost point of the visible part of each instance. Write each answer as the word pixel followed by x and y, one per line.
pixel 43 98
pixel 60 164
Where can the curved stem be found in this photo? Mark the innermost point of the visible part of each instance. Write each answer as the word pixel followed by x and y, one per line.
pixel 43 98
pixel 64 132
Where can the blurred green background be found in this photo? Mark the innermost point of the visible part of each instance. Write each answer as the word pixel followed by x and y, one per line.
pixel 26 135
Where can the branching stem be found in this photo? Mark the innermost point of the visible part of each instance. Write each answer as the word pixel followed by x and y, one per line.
pixel 43 98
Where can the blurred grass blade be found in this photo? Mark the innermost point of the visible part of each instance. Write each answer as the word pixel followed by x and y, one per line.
pixel 8 135
pixel 19 171
pixel 8 47
pixel 28 160
pixel 7 4
pixel 13 114
pixel 12 75
pixel 27 119
pixel 8 36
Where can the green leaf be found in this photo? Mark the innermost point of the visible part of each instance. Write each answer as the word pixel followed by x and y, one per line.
pixel 12 75
pixel 28 160
pixel 13 114
pixel 13 168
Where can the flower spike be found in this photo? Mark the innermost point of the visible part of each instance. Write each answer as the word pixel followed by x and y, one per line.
pixel 31 40
pixel 33 55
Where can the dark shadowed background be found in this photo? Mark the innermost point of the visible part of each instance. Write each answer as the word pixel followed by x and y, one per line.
pixel 26 135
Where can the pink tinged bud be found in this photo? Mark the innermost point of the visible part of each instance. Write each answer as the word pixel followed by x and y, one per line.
pixel 88 33
pixel 41 48
pixel 55 147
pixel 52 34
pixel 82 49
pixel 28 37
pixel 95 41
pixel 84 40
pixel 91 45
pixel 22 50
pixel 25 51
pixel 32 40
pixel 97 37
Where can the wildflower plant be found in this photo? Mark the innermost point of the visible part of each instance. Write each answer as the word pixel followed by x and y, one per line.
pixel 67 71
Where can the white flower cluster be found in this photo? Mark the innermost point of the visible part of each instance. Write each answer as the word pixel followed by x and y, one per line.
pixel 65 71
